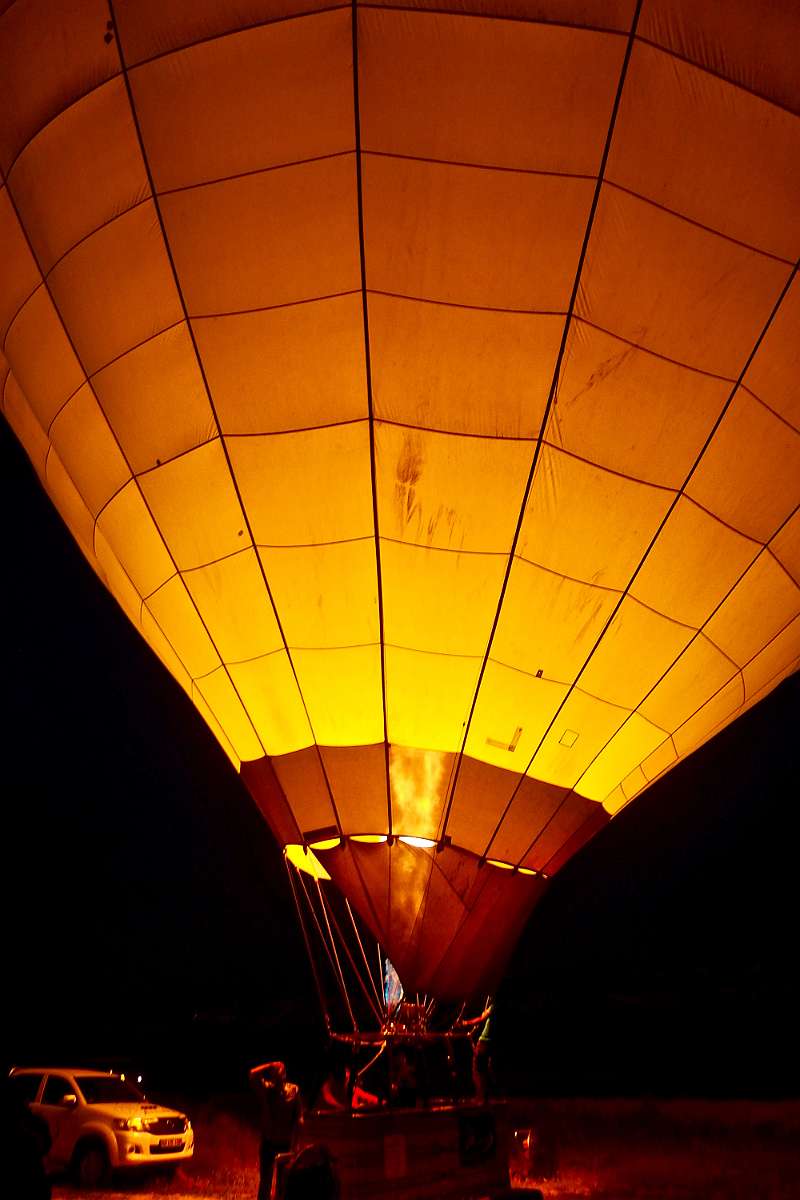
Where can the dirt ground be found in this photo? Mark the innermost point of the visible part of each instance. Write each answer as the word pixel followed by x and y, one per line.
pixel 599 1150
pixel 675 1150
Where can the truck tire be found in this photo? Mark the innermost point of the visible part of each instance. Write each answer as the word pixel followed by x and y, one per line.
pixel 92 1166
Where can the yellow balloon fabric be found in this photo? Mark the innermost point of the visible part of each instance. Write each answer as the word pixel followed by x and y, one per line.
pixel 424 386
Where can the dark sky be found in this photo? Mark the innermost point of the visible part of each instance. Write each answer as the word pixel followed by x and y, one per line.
pixel 148 917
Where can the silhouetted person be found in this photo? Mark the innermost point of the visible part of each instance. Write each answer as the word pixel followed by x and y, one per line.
pixel 279 1111
pixel 25 1142
pixel 482 1059
pixel 404 1084
pixel 342 1089
pixel 311 1176
pixel 337 1087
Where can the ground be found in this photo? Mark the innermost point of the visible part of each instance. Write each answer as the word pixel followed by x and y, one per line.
pixel 606 1150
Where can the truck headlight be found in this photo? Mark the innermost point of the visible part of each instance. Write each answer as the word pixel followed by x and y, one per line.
pixel 129 1123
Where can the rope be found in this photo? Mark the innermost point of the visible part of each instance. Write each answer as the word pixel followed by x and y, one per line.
pixel 378 999
pixel 338 964
pixel 327 909
pixel 314 972
pixel 320 930
pixel 372 1061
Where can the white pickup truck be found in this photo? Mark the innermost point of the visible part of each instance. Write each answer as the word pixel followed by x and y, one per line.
pixel 100 1122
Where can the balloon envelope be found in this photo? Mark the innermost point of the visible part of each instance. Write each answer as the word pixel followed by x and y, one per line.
pixel 423 385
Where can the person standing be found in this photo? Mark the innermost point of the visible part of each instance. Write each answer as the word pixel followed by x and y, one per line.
pixel 482 1058
pixel 24 1142
pixel 280 1109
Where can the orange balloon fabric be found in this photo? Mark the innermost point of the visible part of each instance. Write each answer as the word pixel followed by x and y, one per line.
pixel 423 385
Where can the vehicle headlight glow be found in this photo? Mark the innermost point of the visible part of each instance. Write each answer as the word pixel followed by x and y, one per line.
pixel 130 1123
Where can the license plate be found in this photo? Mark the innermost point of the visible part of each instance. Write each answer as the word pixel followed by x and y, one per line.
pixel 170 1143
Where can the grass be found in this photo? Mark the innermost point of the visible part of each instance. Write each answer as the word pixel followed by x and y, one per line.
pixel 604 1150
pixel 673 1149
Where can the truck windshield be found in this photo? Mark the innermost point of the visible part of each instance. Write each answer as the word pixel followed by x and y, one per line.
pixel 108 1089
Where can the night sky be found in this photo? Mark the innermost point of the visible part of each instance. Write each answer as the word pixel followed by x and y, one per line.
pixel 148 920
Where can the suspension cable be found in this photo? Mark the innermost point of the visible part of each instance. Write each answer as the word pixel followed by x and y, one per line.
pixel 457 1019
pixel 363 955
pixel 336 955
pixel 343 940
pixel 330 951
pixel 381 1050
pixel 320 931
pixel 314 972
pixel 380 977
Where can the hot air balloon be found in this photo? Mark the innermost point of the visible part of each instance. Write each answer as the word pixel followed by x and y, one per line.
pixel 423 385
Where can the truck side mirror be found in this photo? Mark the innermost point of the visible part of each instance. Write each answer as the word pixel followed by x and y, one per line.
pixel 69 1100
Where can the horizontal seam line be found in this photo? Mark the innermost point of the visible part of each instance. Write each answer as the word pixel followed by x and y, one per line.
pixel 223 666
pixel 739 87
pixel 392 8
pixel 445 433
pixel 276 433
pixel 55 117
pixel 223 436
pixel 458 433
pixel 530 312
pixel 268 170
pixel 86 237
pixel 782 566
pixel 444 549
pixel 565 684
pixel 675 362
pixel 243 662
pixel 476 166
pixel 489 437
pixel 138 345
pixel 243 312
pixel 779 416
pixel 239 29
pixel 701 633
pixel 657 612
pixel 79 359
pixel 600 587
pixel 412 158
pixel 181 572
pixel 738 671
pixel 90 379
pixel 213 562
pixel 63 406
pixel 676 213
pixel 165 462
pixel 345 541
pixel 748 537
pixel 433 653
pixel 510 18
pixel 24 304
pixel 335 649
pixel 680 216
pixel 746 700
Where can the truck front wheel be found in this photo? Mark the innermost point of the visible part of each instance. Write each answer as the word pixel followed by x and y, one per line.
pixel 92 1166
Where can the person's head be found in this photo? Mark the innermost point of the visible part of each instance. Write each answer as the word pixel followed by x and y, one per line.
pixel 275 1073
